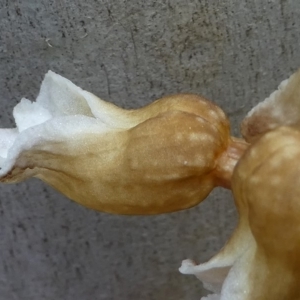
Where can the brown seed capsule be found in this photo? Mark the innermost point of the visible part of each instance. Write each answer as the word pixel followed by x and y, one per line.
pixel 164 157
pixel 261 260
pixel 266 188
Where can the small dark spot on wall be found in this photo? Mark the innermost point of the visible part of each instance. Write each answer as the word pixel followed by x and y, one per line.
pixel 78 273
pixel 248 31
pixel 257 75
pixel 65 227
pixel 129 261
pixel 31 24
pixel 21 226
pixel 11 252
pixel 117 277
pixel 5 268
pixel 283 48
pixel 18 11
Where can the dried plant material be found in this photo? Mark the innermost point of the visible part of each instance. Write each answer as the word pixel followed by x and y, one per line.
pixel 168 156
pixel 261 260
pixel 281 108
pixel 164 157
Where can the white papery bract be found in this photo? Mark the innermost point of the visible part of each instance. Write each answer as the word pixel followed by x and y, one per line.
pixel 59 112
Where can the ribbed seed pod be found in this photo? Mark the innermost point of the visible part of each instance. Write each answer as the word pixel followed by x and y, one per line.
pixel 164 157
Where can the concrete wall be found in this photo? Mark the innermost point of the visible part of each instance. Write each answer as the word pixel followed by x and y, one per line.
pixel 130 53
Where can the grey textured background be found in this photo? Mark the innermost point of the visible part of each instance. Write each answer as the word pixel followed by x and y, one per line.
pixel 130 53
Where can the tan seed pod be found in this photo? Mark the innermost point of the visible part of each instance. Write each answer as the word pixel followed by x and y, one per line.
pixel 261 260
pixel 161 158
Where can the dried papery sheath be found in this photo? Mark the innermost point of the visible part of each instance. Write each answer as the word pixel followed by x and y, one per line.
pixel 281 108
pixel 164 157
